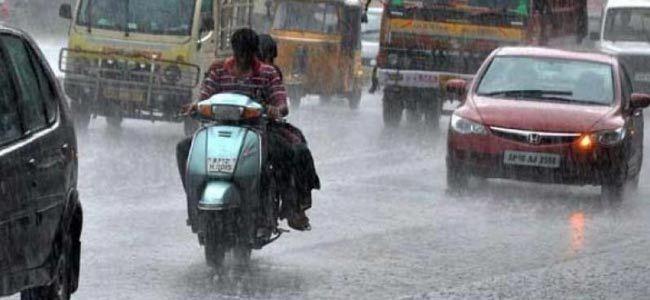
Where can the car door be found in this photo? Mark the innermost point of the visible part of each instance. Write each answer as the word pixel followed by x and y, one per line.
pixel 635 124
pixel 43 159
pixel 14 193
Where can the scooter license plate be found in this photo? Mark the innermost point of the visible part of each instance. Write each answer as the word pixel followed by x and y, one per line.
pixel 221 165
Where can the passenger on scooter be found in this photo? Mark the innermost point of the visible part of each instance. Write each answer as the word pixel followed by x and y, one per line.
pixel 244 73
pixel 303 169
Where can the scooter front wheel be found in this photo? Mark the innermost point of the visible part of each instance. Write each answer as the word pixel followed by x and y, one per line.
pixel 215 250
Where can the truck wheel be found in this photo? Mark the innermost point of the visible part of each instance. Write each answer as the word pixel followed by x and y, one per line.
pixel 432 113
pixel 81 115
pixel 114 116
pixel 457 178
pixel 354 99
pixel 392 111
pixel 61 286
pixel 242 255
pixel 215 250
pixel 413 116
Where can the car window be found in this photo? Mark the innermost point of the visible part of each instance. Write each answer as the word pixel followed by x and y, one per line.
pixel 9 120
pixel 549 79
pixel 46 88
pixel 29 100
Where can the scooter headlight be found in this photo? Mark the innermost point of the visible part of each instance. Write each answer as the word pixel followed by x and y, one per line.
pixel 464 126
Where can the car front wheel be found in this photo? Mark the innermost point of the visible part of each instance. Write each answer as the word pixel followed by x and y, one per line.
pixel 457 177
pixel 61 286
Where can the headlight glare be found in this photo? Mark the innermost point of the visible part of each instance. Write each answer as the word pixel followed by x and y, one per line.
pixel 464 126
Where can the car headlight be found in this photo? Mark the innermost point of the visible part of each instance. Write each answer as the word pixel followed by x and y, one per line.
pixel 393 60
pixel 611 137
pixel 464 126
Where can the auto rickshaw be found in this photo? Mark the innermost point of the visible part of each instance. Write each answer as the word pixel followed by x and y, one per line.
pixel 319 48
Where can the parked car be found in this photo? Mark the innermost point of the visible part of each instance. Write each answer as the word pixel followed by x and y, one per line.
pixel 624 32
pixel 552 116
pixel 40 212
pixel 370 36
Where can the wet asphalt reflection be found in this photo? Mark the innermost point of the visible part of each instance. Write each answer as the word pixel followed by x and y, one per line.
pixel 384 226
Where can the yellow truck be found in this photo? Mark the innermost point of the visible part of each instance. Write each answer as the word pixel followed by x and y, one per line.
pixel 143 59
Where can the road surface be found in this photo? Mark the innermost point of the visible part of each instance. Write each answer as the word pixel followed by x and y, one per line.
pixel 383 225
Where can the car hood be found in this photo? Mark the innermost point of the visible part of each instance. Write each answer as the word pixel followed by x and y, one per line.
pixel 638 48
pixel 539 116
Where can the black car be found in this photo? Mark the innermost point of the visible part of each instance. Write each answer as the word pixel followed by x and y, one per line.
pixel 40 212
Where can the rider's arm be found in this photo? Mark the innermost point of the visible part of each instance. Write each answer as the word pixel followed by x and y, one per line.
pixel 210 85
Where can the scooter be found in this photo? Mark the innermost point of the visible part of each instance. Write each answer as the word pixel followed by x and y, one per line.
pixel 233 200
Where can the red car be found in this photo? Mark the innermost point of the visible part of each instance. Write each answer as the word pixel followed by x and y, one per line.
pixel 551 116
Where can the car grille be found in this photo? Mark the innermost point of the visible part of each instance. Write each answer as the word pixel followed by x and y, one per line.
pixel 534 137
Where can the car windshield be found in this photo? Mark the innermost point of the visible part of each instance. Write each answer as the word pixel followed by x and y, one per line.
pixel 548 79
pixel 305 16
pixel 628 25
pixel 161 17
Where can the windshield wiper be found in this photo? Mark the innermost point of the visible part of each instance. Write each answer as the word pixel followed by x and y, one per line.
pixel 528 93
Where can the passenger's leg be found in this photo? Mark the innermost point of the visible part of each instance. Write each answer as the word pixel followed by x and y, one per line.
pixel 305 175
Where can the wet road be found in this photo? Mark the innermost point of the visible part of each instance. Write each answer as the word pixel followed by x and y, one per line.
pixel 384 227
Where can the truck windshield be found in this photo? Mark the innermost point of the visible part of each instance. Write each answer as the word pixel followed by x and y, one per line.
pixel 161 17
pixel 480 12
pixel 548 79
pixel 628 25
pixel 306 16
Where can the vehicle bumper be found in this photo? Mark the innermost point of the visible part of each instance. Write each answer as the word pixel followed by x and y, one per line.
pixel 483 156
pixel 416 79
pixel 138 100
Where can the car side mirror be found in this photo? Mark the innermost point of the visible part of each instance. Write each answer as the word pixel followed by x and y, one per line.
pixel 65 11
pixel 456 86
pixel 640 101
pixel 364 17
pixel 594 36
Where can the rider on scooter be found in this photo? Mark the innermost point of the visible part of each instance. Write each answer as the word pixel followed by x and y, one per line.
pixel 245 73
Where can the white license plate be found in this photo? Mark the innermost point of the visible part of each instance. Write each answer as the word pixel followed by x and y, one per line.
pixel 221 165
pixel 642 77
pixel 531 159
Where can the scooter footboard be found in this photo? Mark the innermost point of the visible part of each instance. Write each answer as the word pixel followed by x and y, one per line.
pixel 219 195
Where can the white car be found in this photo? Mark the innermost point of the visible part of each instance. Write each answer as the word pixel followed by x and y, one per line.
pixel 370 36
pixel 625 32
